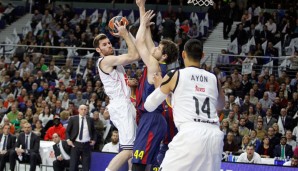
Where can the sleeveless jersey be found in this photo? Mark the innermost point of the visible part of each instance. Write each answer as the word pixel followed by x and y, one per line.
pixel 145 89
pixel 195 97
pixel 115 83
pixel 171 128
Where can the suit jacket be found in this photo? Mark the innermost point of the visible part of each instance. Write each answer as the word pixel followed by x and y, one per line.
pixel 288 151
pixel 270 123
pixel 72 130
pixel 65 147
pixel 10 142
pixel 34 142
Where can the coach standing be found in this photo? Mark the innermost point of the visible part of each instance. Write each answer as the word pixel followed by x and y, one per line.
pixel 81 136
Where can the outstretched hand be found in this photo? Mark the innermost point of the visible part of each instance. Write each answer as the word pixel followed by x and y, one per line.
pixel 122 31
pixel 147 17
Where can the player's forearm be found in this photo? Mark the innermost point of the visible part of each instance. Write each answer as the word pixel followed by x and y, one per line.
pixel 132 51
pixel 149 40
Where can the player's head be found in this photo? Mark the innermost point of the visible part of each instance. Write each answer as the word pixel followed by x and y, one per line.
pixel 193 50
pixel 167 51
pixel 103 45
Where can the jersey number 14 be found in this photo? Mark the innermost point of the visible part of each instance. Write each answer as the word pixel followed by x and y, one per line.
pixel 205 107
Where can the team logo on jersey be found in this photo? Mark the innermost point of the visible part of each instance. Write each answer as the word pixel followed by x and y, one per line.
pixel 199 89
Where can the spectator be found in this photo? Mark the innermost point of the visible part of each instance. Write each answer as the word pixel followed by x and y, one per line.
pixel 268 119
pixel 231 119
pixel 243 130
pixel 229 144
pixel 7 145
pixel 57 128
pixel 229 15
pixel 12 115
pixel 245 142
pixel 283 150
pixel 225 127
pixel 250 156
pixel 99 127
pixel 64 117
pixel 79 99
pixel 62 153
pixel 17 121
pixel 46 116
pixel 284 122
pixel 29 152
pixel 265 101
pixel 265 150
pixel 260 131
pixel 277 131
pixel 293 162
pixel 253 139
pixel 113 146
pixel 38 130
pixel 290 140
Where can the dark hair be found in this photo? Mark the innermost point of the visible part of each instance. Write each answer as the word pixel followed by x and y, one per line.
pixel 171 49
pixel 194 49
pixel 97 39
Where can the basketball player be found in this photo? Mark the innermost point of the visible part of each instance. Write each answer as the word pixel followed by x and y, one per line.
pixel 196 95
pixel 112 74
pixel 171 132
pixel 152 125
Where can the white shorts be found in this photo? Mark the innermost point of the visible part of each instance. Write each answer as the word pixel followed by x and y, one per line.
pixel 196 147
pixel 123 114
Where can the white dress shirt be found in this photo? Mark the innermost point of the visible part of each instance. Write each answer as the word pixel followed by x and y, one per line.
pixel 2 141
pixel 86 135
pixel 65 156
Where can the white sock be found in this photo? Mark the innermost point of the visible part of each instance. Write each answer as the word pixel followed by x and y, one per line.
pixel 107 169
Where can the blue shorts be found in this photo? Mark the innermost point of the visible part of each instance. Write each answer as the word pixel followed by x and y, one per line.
pixel 150 132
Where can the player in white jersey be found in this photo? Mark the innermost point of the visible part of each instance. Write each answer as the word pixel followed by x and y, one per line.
pixel 112 74
pixel 196 94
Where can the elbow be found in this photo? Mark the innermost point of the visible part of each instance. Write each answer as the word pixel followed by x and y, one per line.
pixel 149 107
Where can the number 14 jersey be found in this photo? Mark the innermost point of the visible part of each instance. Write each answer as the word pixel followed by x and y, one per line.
pixel 195 97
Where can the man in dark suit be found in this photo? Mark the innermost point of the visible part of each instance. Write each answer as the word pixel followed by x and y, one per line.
pixel 283 150
pixel 81 136
pixel 287 121
pixel 229 14
pixel 62 153
pixel 26 149
pixel 7 144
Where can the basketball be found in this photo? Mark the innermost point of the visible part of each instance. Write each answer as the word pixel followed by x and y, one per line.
pixel 122 21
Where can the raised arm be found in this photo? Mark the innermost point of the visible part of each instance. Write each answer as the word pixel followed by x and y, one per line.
pixel 110 61
pixel 148 39
pixel 144 52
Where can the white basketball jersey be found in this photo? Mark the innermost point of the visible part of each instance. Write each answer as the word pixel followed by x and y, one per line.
pixel 115 83
pixel 195 97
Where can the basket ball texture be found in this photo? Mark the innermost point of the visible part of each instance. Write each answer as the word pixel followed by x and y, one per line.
pixel 122 21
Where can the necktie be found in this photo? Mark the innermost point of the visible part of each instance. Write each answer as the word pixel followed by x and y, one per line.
pixel 59 152
pixel 282 155
pixel 26 142
pixel 4 143
pixel 81 130
pixel 283 121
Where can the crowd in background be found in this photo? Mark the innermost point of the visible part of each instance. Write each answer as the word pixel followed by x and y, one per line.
pixel 260 108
